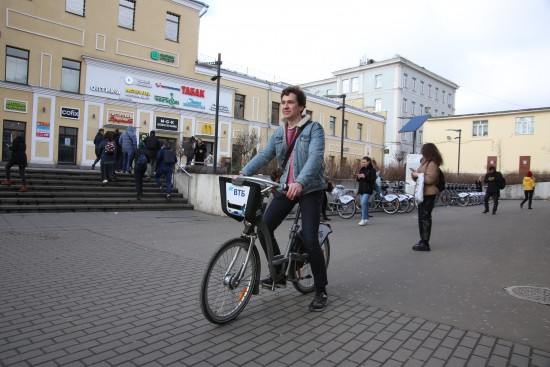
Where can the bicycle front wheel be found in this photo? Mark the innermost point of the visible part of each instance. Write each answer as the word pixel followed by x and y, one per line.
pixel 346 211
pixel 228 282
pixel 303 276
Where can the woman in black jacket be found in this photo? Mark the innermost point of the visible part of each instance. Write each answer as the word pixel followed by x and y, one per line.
pixel 18 158
pixel 366 178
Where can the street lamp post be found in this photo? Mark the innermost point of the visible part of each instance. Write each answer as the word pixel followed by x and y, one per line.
pixel 217 78
pixel 459 131
pixel 343 108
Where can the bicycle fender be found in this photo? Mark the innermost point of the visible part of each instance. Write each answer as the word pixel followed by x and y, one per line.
pixel 345 199
pixel 324 231
pixel 390 197
pixel 463 194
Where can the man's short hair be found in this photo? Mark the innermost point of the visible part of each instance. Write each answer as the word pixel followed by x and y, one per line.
pixel 300 95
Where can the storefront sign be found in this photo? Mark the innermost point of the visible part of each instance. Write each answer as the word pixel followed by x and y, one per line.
pixel 120 117
pixel 42 129
pixel 155 55
pixel 171 101
pixel 138 81
pixel 223 108
pixel 70 113
pixel 137 93
pixel 96 88
pixel 192 91
pixel 207 129
pixel 194 104
pixel 13 105
pixel 166 123
pixel 160 85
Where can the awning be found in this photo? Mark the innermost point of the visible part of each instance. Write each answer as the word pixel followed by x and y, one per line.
pixel 414 123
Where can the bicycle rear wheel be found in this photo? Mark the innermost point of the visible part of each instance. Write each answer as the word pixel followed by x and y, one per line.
pixel 222 296
pixel 303 276
pixel 390 207
pixel 346 211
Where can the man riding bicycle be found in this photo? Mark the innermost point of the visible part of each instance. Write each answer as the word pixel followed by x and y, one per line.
pixel 299 146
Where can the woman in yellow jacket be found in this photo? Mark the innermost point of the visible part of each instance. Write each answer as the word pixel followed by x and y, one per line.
pixel 528 189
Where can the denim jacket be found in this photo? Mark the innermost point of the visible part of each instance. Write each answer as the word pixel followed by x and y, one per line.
pixel 309 151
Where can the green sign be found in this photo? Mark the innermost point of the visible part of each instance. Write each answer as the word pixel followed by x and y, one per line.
pixel 386 151
pixel 16 106
pixel 155 55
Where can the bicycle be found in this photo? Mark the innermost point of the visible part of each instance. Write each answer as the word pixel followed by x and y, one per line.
pixel 342 203
pixel 232 275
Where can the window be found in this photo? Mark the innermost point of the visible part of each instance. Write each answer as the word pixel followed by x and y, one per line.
pixel 172 27
pixel 443 96
pixel 346 129
pixel 355 84
pixel 70 76
pixel 450 100
pixel 480 128
pixel 525 125
pixel 345 86
pixel 17 65
pixel 404 104
pixel 126 13
pixel 378 81
pixel 413 107
pixel 332 125
pixel 405 80
pixel 421 87
pixel 378 104
pixel 275 108
pixel 359 132
pixel 437 94
pixel 75 6
pixel 414 84
pixel 239 106
pixel 430 90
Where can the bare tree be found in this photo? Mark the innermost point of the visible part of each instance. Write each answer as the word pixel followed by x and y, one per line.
pixel 499 149
pixel 400 157
pixel 247 143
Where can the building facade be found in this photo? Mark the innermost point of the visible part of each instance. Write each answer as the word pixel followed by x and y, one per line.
pixel 513 141
pixel 397 88
pixel 69 68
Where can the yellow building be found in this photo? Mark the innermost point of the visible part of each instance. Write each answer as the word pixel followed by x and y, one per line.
pixel 72 67
pixel 513 141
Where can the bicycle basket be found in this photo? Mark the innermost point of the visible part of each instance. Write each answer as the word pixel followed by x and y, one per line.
pixel 240 202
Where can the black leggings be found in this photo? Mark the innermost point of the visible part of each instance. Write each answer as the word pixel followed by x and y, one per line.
pixel 528 196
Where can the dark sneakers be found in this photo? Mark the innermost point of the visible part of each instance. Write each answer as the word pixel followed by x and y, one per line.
pixel 422 246
pixel 319 301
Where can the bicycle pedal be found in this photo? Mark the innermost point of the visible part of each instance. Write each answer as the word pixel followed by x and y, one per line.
pixel 267 286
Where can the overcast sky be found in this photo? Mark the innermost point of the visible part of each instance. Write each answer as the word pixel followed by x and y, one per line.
pixel 497 51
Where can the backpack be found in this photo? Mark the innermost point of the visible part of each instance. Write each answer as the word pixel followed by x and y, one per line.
pixel 169 156
pixel 441 181
pixel 502 184
pixel 141 160
pixel 110 147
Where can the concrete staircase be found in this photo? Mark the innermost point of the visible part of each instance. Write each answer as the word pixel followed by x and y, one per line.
pixel 76 190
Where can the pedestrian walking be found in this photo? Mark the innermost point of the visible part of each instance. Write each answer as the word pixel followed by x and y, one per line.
pixel 128 142
pixel 18 158
pixel 140 167
pixel 190 150
pixel 166 159
pixel 108 156
pixel 366 178
pixel 118 156
pixel 528 189
pixel 200 153
pixel 495 182
pixel 429 166
pixel 152 145
pixel 97 141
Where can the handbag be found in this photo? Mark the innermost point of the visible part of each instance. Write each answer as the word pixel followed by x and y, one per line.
pixel 419 189
pixel 276 174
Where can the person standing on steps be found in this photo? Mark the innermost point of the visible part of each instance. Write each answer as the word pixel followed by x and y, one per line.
pixel 495 182
pixel 128 142
pixel 366 178
pixel 298 145
pixel 528 189
pixel 152 145
pixel 108 150
pixel 18 158
pixel 166 159
pixel 97 140
pixel 429 166
pixel 200 153
pixel 140 167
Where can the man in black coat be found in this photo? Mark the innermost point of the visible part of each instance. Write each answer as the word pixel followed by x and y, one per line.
pixel 495 182
pixel 97 140
pixel 18 158
pixel 152 145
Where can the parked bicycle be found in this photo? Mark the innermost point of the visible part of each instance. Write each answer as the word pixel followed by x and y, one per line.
pixel 232 275
pixel 342 203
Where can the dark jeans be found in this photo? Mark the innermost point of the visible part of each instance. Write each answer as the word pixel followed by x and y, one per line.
pixel 310 205
pixel 165 170
pixel 425 217
pixel 8 167
pixel 324 205
pixel 528 196
pixel 107 170
pixel 495 196
pixel 97 158
pixel 139 172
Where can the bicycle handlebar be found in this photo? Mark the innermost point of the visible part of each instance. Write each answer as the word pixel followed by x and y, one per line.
pixel 267 183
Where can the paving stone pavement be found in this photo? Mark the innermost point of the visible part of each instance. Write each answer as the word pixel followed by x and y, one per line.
pixel 75 296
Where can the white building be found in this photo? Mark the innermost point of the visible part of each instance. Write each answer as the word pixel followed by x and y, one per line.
pixel 396 87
